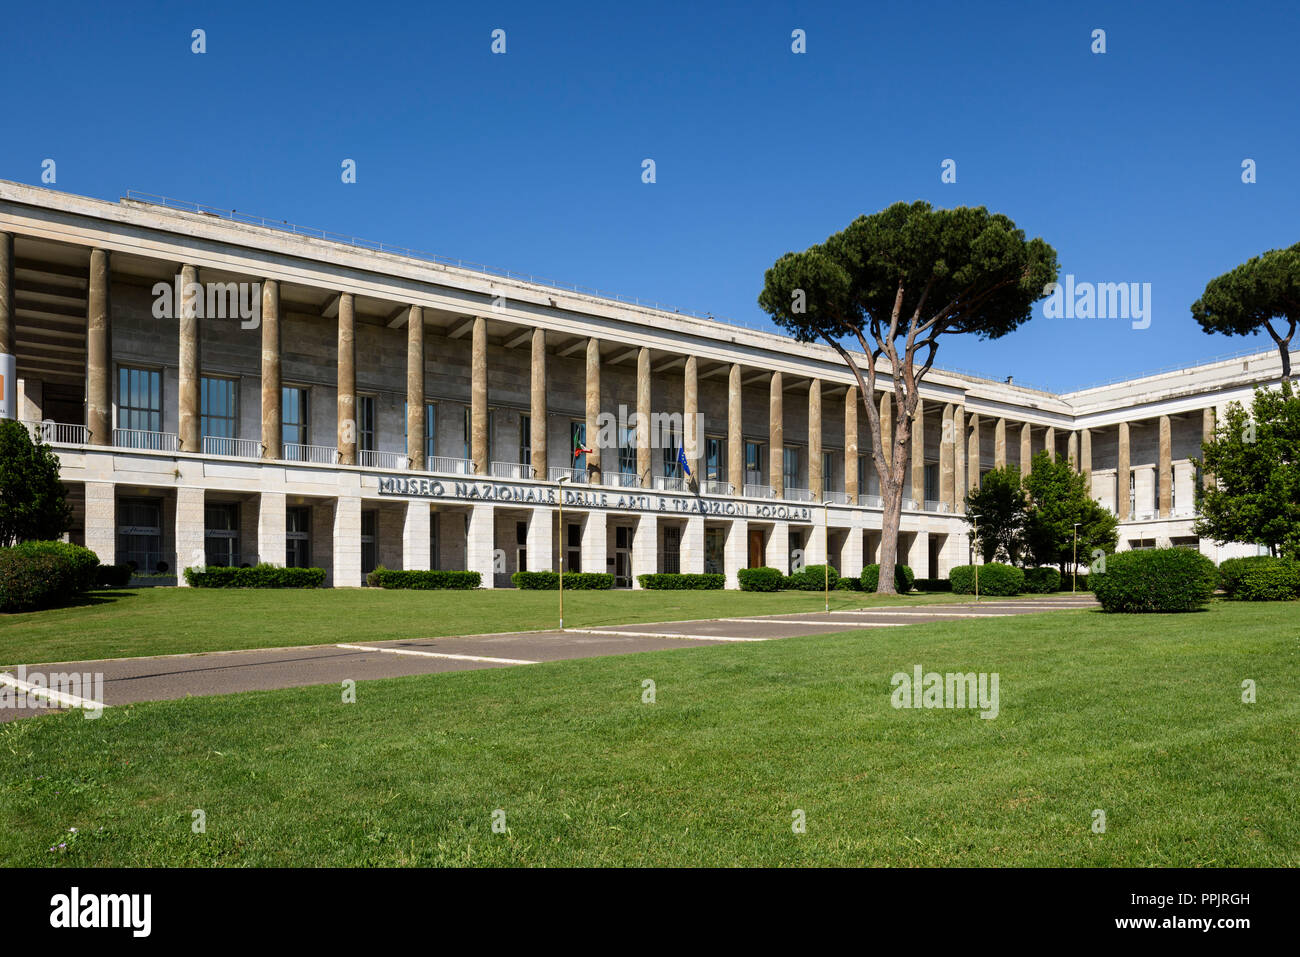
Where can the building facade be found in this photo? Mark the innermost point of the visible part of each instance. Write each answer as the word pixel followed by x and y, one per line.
pixel 226 392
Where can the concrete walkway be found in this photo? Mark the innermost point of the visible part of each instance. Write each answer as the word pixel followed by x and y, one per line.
pixel 127 680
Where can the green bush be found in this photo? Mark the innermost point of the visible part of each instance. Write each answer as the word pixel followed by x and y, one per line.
pixel 904 578
pixel 1260 578
pixel 112 576
pixel 259 576
pixel 1158 579
pixel 664 581
pixel 36 575
pixel 423 580
pixel 1043 580
pixel 1081 585
pixel 932 584
pixel 848 584
pixel 812 578
pixel 760 579
pixel 995 578
pixel 550 581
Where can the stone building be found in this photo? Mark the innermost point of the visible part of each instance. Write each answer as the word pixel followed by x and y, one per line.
pixel 222 391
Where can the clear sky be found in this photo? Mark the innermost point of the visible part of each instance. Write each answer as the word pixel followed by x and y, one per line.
pixel 1128 162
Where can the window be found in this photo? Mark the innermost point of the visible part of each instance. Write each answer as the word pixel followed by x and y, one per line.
pixel 755 460
pixel 1132 493
pixel 573 548
pixel 526 442
pixel 672 467
pixel 715 459
pixel 627 451
pixel 864 470
pixel 297 537
pixel 139 534
pixel 466 430
pixel 715 540
pixel 578 435
pixel 434 562
pixel 932 483
pixel 790 467
pixel 293 416
pixel 139 399
pixel 365 423
pixel 369 540
pixel 672 550
pixel 521 545
pixel 828 472
pixel 221 534
pixel 430 431
pixel 219 408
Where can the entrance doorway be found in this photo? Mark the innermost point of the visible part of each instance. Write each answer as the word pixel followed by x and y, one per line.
pixel 755 548
pixel 622 556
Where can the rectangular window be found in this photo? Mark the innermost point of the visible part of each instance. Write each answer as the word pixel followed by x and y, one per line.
pixel 715 459
pixel 672 550
pixel 573 549
pixel 365 423
pixel 673 435
pixel 434 562
pixel 293 416
pixel 715 540
pixel 297 537
pixel 369 540
pixel 755 462
pixel 221 534
pixel 864 469
pixel 828 472
pixel 139 535
pixel 139 399
pixel 219 407
pixel 526 442
pixel 578 435
pixel 932 483
pixel 790 467
pixel 466 430
pixel 627 452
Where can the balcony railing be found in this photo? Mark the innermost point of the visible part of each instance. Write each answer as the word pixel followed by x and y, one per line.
pixel 715 487
pixel 578 476
pixel 375 459
pixel 1183 511
pixel 511 470
pixel 798 495
pixel 871 501
pixel 836 498
pixel 932 505
pixel 449 465
pixel 57 433
pixel 670 483
pixel 317 454
pixel 238 448
pixel 149 441
pixel 753 490
pixel 622 479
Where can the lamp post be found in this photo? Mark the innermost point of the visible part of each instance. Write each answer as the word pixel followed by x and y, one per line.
pixel 976 537
pixel 559 484
pixel 1074 572
pixel 826 551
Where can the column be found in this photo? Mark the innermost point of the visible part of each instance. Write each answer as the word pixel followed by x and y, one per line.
pixel 346 539
pixel 851 553
pixel 595 543
pixel 272 433
pixel 777 554
pixel 1165 480
pixel 919 557
pixel 642 425
pixel 1085 452
pixel 947 467
pixel 692 558
pixel 851 478
pixel 99 356
pixel 480 544
pixel 537 421
pixel 1050 443
pixel 973 454
pixel 1072 450
pixel 736 551
pixel 959 460
pixel 735 439
pixel 886 431
pixel 775 438
pixel 188 369
pixel 1122 503
pixel 1207 435
pixel 645 547
pixel 270 532
pixel 347 382
pixel 816 480
pixel 1026 448
pixel 1000 443
pixel 415 536
pixel 478 399
pixel 101 521
pixel 918 454
pixel 7 321
pixel 692 426
pixel 593 424
pixel 415 388
pixel 815 546
pixel 540 540
pixel 191 550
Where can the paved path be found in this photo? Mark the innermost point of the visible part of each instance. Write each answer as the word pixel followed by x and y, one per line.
pixel 126 680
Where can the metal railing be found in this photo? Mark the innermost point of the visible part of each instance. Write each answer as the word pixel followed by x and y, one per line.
pixel 236 448
pixel 715 487
pixel 510 470
pixel 836 498
pixel 871 501
pixel 149 441
pixel 577 476
pixel 622 479
pixel 449 465
pixel 57 433
pixel 753 490
pixel 670 483
pixel 798 495
pixel 934 505
pixel 316 454
pixel 375 459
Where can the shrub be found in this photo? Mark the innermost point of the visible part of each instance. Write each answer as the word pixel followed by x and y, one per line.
pixel 760 579
pixel 664 581
pixel 112 576
pixel 1066 582
pixel 1159 579
pixel 848 584
pixel 550 581
pixel 812 578
pixel 903 578
pixel 995 578
pixel 1042 580
pixel 36 575
pixel 932 584
pixel 1261 578
pixel 423 580
pixel 259 576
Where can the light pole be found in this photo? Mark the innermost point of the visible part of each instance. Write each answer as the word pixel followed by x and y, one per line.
pixel 826 551
pixel 976 520
pixel 1074 572
pixel 559 484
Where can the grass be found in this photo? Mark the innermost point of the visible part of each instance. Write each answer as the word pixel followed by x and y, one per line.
pixel 160 621
pixel 1140 716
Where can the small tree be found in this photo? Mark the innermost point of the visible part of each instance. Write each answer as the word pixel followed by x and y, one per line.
pixel 1000 504
pixel 1254 460
pixel 1058 498
pixel 33 502
pixel 1249 298
pixel 894 283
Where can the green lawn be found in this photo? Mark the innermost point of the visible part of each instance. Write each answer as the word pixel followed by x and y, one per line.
pixel 161 621
pixel 1140 716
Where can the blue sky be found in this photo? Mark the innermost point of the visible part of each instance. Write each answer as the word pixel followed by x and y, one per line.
pixel 1128 162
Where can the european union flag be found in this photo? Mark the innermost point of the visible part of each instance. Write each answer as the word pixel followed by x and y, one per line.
pixel 681 460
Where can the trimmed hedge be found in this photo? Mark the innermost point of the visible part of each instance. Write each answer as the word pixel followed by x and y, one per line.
pixel 1066 582
pixel 1042 581
pixel 812 578
pixel 259 576
pixel 1158 579
pixel 423 580
pixel 760 579
pixel 112 576
pixel 550 581
pixel 35 575
pixel 664 581
pixel 1260 578
pixel 995 579
pixel 932 584
pixel 904 578
pixel 849 584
